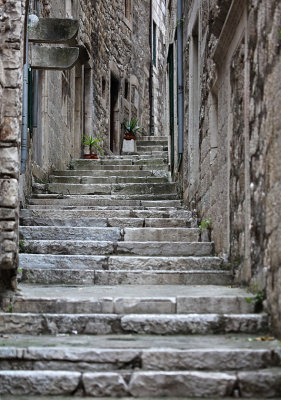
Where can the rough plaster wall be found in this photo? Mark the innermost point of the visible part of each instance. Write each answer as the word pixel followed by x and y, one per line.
pixel 11 25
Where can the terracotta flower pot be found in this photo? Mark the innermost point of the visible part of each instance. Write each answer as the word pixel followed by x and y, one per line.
pixel 91 156
pixel 129 136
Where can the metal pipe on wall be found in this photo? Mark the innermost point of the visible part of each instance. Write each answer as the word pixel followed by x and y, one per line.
pixel 151 99
pixel 180 79
pixel 24 134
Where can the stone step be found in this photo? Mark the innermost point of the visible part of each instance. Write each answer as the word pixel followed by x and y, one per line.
pixel 132 299
pixel 147 161
pixel 119 263
pixel 70 233
pixel 160 324
pixel 124 277
pixel 102 201
pixel 136 190
pixel 152 148
pixel 151 384
pixel 106 179
pixel 109 234
pixel 112 172
pixel 88 166
pixel 149 140
pixel 107 222
pixel 87 212
pixel 90 247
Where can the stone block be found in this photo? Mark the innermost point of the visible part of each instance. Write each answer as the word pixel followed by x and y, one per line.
pixel 262 383
pixel 181 384
pixel 8 193
pixel 9 129
pixel 129 146
pixel 101 384
pixel 12 58
pixel 9 157
pixel 38 382
pixel 11 107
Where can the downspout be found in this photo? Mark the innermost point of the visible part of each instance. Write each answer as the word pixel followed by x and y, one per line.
pixel 24 134
pixel 151 99
pixel 180 81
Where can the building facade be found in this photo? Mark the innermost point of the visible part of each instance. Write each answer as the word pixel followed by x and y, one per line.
pixel 230 169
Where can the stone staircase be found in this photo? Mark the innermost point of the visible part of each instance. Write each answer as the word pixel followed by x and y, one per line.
pixel 120 298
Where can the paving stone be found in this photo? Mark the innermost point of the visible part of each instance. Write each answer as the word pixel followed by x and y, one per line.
pixel 38 382
pixel 104 384
pixel 262 383
pixel 179 384
pixel 67 233
pixel 165 248
pixel 159 234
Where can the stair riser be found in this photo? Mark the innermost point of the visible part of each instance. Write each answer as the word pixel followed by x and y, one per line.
pixel 108 189
pixel 119 263
pixel 105 180
pixel 110 248
pixel 142 384
pixel 169 305
pixel 149 162
pixel 93 324
pixel 109 234
pixel 107 222
pixel 110 214
pixel 95 201
pixel 109 173
pixel 98 277
pixel 149 360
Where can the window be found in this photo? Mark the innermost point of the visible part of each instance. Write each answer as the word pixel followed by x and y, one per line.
pixel 154 44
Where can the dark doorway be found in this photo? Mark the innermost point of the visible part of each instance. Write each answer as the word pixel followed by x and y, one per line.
pixel 114 115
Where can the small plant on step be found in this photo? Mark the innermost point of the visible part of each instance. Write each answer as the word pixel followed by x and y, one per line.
pixel 205 229
pixel 258 299
pixel 21 246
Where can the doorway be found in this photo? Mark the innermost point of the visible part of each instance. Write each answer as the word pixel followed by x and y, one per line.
pixel 114 115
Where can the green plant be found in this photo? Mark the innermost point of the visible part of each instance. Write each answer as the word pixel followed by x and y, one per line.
pixel 93 143
pixel 21 246
pixel 132 127
pixel 10 308
pixel 259 297
pixel 205 224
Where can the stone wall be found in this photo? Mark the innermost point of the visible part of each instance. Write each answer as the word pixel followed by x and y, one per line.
pixel 231 167
pixel 11 44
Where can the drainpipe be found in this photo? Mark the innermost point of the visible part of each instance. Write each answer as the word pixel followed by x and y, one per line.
pixel 24 134
pixel 35 81
pixel 180 80
pixel 151 100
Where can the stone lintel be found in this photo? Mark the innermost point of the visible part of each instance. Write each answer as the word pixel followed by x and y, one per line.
pixel 54 58
pixel 232 20
pixel 54 30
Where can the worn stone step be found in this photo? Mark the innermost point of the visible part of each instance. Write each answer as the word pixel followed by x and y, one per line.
pixel 106 222
pixel 109 234
pixel 152 147
pixel 165 324
pixel 106 179
pixel 132 299
pixel 119 263
pixel 117 167
pixel 104 201
pixel 149 140
pixel 151 189
pixel 148 162
pixel 70 233
pixel 161 234
pixel 124 277
pixel 75 212
pixel 141 384
pixel 89 247
pixel 112 172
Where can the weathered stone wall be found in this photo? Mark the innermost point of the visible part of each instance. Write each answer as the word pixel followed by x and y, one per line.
pixel 11 35
pixel 231 167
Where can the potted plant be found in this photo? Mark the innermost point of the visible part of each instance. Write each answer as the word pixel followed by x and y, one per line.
pixel 131 129
pixel 94 147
